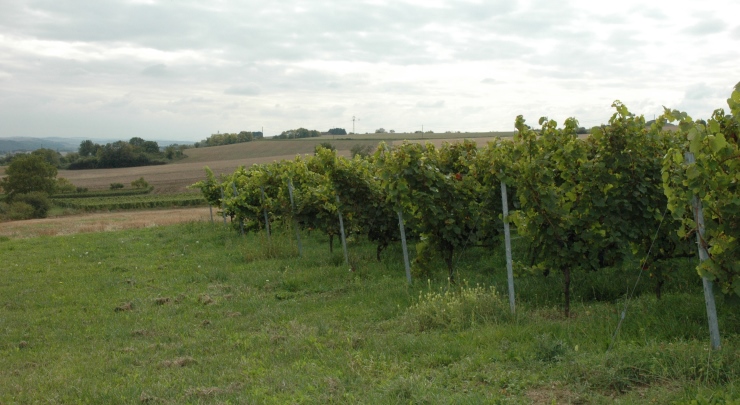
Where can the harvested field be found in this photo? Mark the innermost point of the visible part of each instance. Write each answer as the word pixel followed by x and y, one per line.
pixel 176 177
pixel 166 179
pixel 101 222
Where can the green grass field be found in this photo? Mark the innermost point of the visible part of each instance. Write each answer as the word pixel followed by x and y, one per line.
pixel 195 313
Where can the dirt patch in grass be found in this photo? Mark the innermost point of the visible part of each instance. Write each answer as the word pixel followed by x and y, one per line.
pixel 179 362
pixel 101 222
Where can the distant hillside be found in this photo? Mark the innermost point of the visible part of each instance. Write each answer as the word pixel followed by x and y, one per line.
pixel 21 144
pixel 28 144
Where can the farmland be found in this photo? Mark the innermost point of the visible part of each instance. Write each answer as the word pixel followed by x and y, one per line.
pixel 176 177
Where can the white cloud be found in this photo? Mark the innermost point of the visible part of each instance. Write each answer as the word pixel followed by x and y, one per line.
pixel 185 69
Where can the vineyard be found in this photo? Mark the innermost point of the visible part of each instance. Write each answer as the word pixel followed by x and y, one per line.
pixel 622 196
pixel 125 201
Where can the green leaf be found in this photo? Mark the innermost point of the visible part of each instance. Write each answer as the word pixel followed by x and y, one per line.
pixel 736 96
pixel 717 142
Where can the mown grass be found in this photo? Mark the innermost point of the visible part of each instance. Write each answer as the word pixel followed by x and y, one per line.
pixel 197 314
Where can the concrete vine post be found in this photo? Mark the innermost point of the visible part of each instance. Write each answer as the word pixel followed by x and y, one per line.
pixel 404 246
pixel 704 255
pixel 223 204
pixel 341 230
pixel 264 210
pixel 241 220
pixel 295 220
pixel 507 241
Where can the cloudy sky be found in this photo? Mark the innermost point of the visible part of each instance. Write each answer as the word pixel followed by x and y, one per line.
pixel 182 70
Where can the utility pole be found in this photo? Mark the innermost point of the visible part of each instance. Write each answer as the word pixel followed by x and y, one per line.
pixel 353 123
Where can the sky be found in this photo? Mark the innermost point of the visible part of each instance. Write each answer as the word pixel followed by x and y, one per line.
pixel 183 70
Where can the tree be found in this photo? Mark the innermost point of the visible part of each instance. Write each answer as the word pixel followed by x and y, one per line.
pixel 380 131
pixel 150 147
pixel 337 131
pixel 49 155
pixel 88 148
pixel 29 173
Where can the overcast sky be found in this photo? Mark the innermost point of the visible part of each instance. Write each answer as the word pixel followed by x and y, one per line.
pixel 182 70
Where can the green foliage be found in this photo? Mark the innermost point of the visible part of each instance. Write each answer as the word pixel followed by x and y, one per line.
pixel 337 131
pixel 16 211
pixel 140 183
pixel 135 152
pixel 63 185
pixel 228 139
pixel 455 309
pixel 125 201
pixel 116 186
pixel 28 173
pixel 38 200
pixel 436 192
pixel 324 145
pixel 298 133
pixel 51 156
pixel 361 150
pixel 714 179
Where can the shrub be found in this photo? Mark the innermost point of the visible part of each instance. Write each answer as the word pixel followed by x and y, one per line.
pixel 38 201
pixel 325 145
pixel 16 211
pixel 140 183
pixel 64 186
pixel 116 186
pixel 362 150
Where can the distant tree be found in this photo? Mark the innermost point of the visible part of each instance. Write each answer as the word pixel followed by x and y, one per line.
pixel 51 156
pixel 258 135
pixel 380 131
pixel 393 131
pixel 28 173
pixel 581 131
pixel 245 136
pixel 299 133
pixel 137 142
pixel 88 148
pixel 362 150
pixel 337 131
pixel 116 154
pixel 116 186
pixel 150 147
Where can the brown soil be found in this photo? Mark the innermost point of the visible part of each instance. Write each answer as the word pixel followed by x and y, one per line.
pixel 101 222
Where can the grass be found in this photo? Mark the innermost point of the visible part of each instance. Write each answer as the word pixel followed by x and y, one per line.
pixel 194 313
